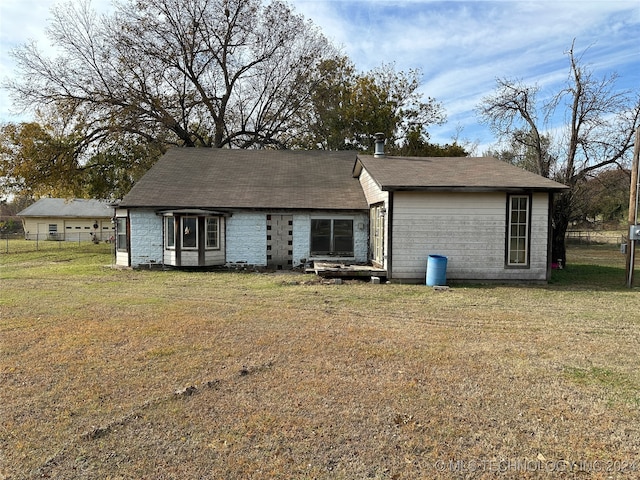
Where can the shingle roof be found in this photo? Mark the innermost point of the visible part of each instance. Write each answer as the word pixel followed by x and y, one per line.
pixel 62 207
pixel 451 174
pixel 224 178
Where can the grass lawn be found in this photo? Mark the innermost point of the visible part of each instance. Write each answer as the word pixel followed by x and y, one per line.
pixel 110 373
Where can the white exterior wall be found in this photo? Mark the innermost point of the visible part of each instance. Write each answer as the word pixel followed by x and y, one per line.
pixel 145 241
pixel 469 229
pixel 375 195
pixel 540 236
pixel 243 238
pixel 246 238
pixel 371 190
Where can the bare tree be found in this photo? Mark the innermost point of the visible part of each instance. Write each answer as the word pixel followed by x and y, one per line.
pixel 512 114
pixel 600 122
pixel 216 73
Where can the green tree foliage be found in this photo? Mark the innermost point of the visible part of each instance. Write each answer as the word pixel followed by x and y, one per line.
pixel 603 197
pixel 416 144
pixel 528 150
pixel 34 161
pixel 209 73
pixel 349 108
pixel 111 172
pixel 38 160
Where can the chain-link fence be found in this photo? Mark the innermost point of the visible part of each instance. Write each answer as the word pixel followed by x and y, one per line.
pixel 588 237
pixel 21 243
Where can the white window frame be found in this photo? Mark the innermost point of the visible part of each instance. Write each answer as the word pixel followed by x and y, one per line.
pixel 183 232
pixel 212 221
pixel 121 234
pixel 169 228
pixel 518 231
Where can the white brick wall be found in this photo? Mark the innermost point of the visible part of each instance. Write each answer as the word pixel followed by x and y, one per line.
pixel 146 237
pixel 247 238
pixel 301 238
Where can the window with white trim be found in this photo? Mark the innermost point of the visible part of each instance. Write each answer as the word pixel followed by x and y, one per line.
pixel 189 233
pixel 212 226
pixel 170 231
pixel 518 230
pixel 121 234
pixel 332 237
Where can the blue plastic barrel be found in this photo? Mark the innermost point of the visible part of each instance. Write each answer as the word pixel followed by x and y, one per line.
pixel 436 270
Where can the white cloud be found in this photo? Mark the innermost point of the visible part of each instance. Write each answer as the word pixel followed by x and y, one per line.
pixel 463 46
pixel 460 46
pixel 23 21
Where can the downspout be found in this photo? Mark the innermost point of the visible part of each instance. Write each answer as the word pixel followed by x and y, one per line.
pixel 128 238
pixel 549 235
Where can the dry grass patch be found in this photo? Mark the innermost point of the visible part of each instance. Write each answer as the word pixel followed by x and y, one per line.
pixel 132 374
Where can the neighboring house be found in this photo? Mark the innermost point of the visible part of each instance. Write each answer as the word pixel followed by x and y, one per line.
pixel 71 220
pixel 283 209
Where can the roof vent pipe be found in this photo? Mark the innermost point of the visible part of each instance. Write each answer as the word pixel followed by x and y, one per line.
pixel 379 145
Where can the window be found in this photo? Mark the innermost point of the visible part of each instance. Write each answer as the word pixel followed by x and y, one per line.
pixel 170 232
pixel 191 232
pixel 212 229
pixel 121 230
pixel 332 237
pixel 518 231
pixel 189 229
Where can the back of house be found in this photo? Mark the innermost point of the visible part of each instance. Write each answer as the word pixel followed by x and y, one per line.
pixel 285 209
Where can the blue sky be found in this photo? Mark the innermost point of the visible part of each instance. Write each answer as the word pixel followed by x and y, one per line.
pixel 461 47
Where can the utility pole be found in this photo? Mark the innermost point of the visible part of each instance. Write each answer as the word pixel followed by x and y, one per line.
pixel 633 208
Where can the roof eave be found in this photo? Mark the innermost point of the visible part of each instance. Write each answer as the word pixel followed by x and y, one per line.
pixel 470 189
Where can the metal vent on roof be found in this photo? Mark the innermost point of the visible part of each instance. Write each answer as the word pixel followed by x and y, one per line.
pixel 379 145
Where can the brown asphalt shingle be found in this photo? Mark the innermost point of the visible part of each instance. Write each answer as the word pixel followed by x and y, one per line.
pixel 223 178
pixel 302 179
pixel 451 173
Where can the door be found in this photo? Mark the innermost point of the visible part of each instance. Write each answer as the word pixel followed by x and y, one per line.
pixel 280 242
pixel 376 234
